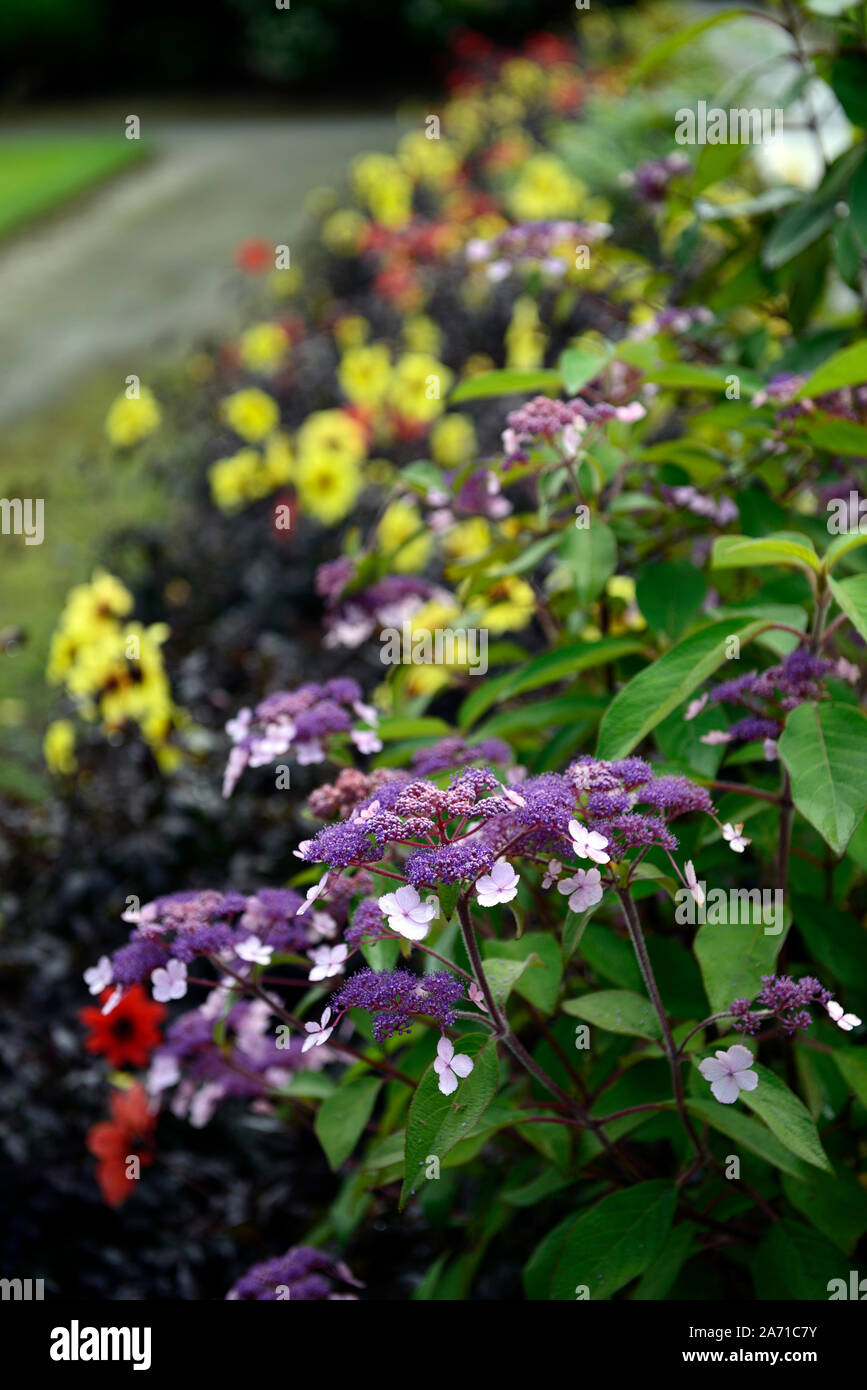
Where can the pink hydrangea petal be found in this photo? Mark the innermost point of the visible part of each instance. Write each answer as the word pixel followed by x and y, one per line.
pixel 746 1080
pixel 462 1064
pixel 725 1090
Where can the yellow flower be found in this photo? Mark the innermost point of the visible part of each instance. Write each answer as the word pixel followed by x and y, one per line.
pixel 364 374
pixel 545 188
pixel 351 331
pixel 512 605
pixel 328 486
pixel 468 540
pixel 381 183
pixel 525 336
pixel 128 421
pixel 251 413
pixel 332 434
pixel 342 231
pixel 453 441
pixel 422 334
pixel 523 77
pixel 418 384
pixel 263 347
pixel 279 460
pixel 430 161
pixel 58 747
pixel 441 611
pixel 239 479
pixel 621 586
pixel 402 531
pixel 425 679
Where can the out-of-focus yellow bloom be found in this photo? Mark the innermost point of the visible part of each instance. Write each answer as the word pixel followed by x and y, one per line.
pixel 468 540
pixel 238 480
pixel 477 363
pixel 128 422
pixel 630 618
pixel 320 201
pixel 113 669
pixel 58 747
pixel 351 331
pixel 545 188
pixel 453 441
pixel 525 336
pixel 342 231
pixel 422 334
pixel 403 536
pixel 332 434
pixel 91 611
pixel 364 374
pixel 418 386
pixel 263 347
pixel 523 77
pixel 425 679
pixel 621 586
pixel 438 612
pixel 511 605
pixel 279 459
pixel 284 283
pixel 327 486
pixel 382 184
pixel 464 119
pixel 430 161
pixel 251 413
pixel 505 109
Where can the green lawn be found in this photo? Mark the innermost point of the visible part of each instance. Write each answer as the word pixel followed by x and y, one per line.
pixel 37 175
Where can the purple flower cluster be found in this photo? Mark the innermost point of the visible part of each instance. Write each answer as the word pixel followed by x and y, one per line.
pixel 298 722
pixel 388 603
pixel 849 403
pixel 533 243
pixel 785 998
pixel 719 510
pixel 395 997
pixel 303 1275
pixel 184 926
pixel 454 834
pixel 651 179
pixel 559 423
pixel 455 752
pixel 768 696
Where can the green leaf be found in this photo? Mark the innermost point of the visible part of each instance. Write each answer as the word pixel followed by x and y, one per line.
pixel 836 1206
pixel 824 748
pixel 838 436
pixel 341 1118
pixel 662 686
pixel 796 230
pixel 842 545
pixel 506 383
pixel 682 1242
pixel 683 34
pixel 746 552
pixel 581 364
pixel 574 927
pixel 748 1134
pixel 847 79
pixel 540 984
pixel 590 555
pixel 733 957
pixel 834 938
pixel 786 1117
pixel 852 1066
pixel 851 595
pixel 315 1085
pixel 615 1241
pixel 845 368
pixel 503 975
pixel 547 669
pixel 426 727
pixel 670 595
pixel 437 1122
pixel 617 1011
pixel 793 1262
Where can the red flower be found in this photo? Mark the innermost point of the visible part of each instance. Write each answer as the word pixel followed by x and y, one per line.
pixel 255 255
pixel 128 1134
pixel 129 1033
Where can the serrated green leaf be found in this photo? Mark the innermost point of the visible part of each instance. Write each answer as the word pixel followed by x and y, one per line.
pixel 824 748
